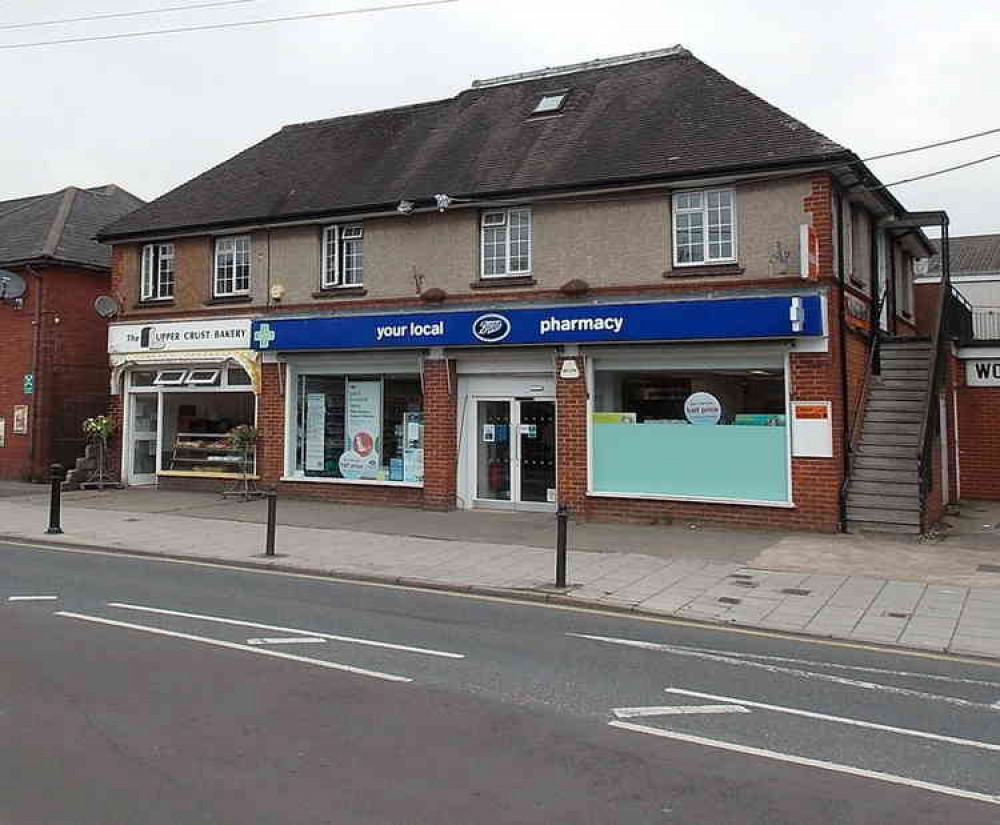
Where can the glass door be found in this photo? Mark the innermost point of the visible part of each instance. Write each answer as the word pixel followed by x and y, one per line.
pixel 143 439
pixel 493 451
pixel 536 451
pixel 516 453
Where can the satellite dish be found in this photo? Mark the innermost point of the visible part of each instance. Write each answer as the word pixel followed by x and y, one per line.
pixel 12 285
pixel 106 306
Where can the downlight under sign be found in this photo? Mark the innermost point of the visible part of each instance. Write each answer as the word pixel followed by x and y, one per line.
pixel 717 319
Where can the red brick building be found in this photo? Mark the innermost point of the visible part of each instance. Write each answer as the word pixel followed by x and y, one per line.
pixel 54 371
pixel 549 289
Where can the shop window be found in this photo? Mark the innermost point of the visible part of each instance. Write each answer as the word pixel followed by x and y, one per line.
pixel 715 434
pixel 360 427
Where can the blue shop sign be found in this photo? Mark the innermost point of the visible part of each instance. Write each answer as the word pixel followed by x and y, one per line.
pixel 770 317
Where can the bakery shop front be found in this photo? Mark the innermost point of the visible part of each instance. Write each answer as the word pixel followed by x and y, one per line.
pixel 184 386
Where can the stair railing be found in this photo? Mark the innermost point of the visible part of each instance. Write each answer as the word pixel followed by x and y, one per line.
pixel 928 426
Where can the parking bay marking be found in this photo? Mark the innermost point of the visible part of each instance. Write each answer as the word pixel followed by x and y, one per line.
pixel 725 658
pixel 842 720
pixel 389 677
pixel 32 598
pixel 329 636
pixel 811 763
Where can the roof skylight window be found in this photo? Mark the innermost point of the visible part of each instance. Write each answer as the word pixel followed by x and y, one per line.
pixel 550 103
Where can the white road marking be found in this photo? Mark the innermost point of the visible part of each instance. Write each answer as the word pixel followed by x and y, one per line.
pixel 389 677
pixel 935 677
pixel 788 671
pixel 32 598
pixel 810 763
pixel 677 710
pixel 259 626
pixel 842 720
pixel 300 640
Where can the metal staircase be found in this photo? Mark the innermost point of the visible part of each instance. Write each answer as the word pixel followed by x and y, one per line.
pixel 883 494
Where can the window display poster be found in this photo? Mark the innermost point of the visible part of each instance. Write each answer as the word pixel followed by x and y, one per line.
pixel 702 408
pixel 413 465
pixel 21 419
pixel 315 431
pixel 362 431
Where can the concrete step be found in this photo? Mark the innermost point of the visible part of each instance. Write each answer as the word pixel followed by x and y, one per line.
pixel 892 374
pixel 856 526
pixel 883 462
pixel 876 441
pixel 883 515
pixel 887 450
pixel 884 475
pixel 911 427
pixel 893 417
pixel 890 485
pixel 898 362
pixel 866 501
pixel 896 394
pixel 887 406
pixel 900 384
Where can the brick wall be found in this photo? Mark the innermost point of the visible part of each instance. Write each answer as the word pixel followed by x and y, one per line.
pixel 978 439
pixel 440 435
pixel 18 333
pixel 571 438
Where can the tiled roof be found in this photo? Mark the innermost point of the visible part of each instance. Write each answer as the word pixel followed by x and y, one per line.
pixel 659 117
pixel 61 226
pixel 970 255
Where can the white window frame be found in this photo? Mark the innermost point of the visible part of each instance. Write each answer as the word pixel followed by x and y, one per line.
pixel 494 218
pixel 333 274
pixel 234 241
pixel 210 377
pixel 163 380
pixel 157 262
pixel 703 210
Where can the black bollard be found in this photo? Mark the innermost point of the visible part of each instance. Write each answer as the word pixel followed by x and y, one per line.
pixel 562 515
pixel 58 475
pixel 272 518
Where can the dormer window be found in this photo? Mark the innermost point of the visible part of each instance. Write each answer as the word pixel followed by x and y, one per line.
pixel 550 103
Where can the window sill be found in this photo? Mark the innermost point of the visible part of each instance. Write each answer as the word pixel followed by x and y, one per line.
pixel 340 292
pixel 502 281
pixel 152 303
pixel 704 270
pixel 741 502
pixel 229 299
pixel 369 482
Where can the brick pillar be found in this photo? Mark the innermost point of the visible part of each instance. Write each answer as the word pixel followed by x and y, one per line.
pixel 440 434
pixel 116 407
pixel 819 206
pixel 271 425
pixel 571 437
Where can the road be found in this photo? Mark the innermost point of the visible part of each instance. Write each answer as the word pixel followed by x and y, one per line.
pixel 145 691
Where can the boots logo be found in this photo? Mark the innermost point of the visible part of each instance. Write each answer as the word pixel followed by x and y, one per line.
pixel 491 328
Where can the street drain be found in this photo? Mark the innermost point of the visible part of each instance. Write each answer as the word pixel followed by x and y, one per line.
pixel 729 600
pixel 892 615
pixel 988 568
pixel 796 591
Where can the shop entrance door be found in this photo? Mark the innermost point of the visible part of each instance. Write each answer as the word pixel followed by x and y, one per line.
pixel 143 438
pixel 515 453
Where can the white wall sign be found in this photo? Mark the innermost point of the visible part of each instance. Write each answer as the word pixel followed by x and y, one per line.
pixel 569 369
pixel 179 336
pixel 982 373
pixel 702 408
pixel 812 429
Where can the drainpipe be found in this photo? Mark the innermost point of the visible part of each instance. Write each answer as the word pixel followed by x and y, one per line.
pixel 36 345
pixel 842 338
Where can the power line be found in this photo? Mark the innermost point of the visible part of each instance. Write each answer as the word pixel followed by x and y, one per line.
pixel 217 26
pixel 934 174
pixel 119 14
pixel 932 145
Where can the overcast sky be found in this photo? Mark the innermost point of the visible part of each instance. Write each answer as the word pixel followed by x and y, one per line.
pixel 151 113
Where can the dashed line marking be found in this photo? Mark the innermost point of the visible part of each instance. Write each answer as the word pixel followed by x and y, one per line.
pixel 32 598
pixel 677 710
pixel 300 640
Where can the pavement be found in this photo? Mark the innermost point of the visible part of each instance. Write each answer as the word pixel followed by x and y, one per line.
pixel 939 594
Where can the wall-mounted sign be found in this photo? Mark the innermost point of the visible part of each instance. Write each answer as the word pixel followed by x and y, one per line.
pixel 808 252
pixel 569 369
pixel 29 383
pixel 179 336
pixel 702 408
pixel 812 429
pixel 982 373
pixel 722 318
pixel 21 419
pixel 3 432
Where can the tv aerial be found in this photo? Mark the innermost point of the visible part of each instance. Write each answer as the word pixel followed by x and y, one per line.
pixel 12 286
pixel 106 306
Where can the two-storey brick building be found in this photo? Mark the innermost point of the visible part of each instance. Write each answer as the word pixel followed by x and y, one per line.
pixel 628 286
